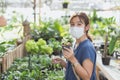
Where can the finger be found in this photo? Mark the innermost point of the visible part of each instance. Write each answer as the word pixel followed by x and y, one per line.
pixel 65 53
pixel 56 62
pixel 67 49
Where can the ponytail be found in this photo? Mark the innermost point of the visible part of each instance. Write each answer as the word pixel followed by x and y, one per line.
pixel 89 37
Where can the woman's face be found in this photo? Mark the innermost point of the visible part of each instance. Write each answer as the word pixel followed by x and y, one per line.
pixel 77 22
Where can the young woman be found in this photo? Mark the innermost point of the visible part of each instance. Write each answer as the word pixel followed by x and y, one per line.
pixel 81 61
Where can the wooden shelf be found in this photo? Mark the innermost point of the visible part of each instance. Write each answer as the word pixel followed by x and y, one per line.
pixel 112 71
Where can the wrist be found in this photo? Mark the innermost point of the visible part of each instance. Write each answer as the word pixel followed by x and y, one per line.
pixel 73 60
pixel 75 64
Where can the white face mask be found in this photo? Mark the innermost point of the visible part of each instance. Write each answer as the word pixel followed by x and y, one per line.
pixel 76 32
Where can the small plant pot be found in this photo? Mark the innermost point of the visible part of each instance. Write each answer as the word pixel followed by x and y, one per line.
pixel 65 5
pixel 106 60
pixel 56 53
pixel 66 46
pixel 102 47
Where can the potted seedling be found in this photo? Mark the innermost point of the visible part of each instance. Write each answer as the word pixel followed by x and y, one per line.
pixel 67 41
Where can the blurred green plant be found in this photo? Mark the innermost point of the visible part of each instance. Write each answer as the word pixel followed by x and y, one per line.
pixel 31 47
pixel 40 71
pixel 101 27
pixel 56 45
pixel 113 38
pixel 43 47
pixel 6 46
pixel 47 30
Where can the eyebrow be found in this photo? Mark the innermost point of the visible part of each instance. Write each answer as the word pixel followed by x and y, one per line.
pixel 77 22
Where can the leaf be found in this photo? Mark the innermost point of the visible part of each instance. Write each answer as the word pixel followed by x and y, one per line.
pixel 58 26
pixel 112 44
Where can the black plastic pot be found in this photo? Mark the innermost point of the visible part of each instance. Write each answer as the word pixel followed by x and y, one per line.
pixel 65 5
pixel 102 46
pixel 106 60
pixel 56 53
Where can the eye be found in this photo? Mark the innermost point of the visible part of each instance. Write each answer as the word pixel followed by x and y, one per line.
pixel 79 24
pixel 72 24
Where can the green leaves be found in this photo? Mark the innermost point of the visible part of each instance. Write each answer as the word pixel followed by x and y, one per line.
pixel 38 47
pixel 40 71
pixel 47 30
pixel 67 40
pixel 58 27
pixel 31 46
pixel 6 46
pixel 56 45
pixel 112 44
pixel 45 49
pixel 41 42
pixel 106 26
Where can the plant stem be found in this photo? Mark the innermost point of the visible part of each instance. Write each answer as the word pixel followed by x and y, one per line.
pixel 29 63
pixel 105 46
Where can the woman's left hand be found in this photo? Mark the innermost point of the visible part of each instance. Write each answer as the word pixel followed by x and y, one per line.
pixel 68 53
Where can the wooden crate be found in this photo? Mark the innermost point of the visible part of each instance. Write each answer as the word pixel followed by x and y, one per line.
pixel 8 58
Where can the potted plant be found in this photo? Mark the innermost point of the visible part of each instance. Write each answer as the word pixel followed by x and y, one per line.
pixel 103 25
pixel 65 4
pixel 67 41
pixel 109 46
pixel 105 57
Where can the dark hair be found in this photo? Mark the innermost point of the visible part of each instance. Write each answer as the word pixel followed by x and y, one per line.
pixel 83 17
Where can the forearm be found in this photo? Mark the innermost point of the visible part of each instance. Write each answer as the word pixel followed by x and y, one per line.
pixel 81 72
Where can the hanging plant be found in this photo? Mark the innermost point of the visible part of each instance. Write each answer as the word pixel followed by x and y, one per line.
pixel 65 4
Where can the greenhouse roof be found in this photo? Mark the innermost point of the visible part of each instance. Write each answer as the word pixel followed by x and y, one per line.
pixel 73 4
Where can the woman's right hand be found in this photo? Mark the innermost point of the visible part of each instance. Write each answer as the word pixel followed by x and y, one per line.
pixel 56 60
pixel 59 61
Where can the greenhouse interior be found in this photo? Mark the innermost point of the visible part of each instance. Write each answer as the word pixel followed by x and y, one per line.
pixel 40 41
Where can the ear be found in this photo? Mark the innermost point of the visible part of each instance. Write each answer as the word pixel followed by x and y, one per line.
pixel 87 27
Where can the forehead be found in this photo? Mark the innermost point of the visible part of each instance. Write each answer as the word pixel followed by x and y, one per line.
pixel 76 19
